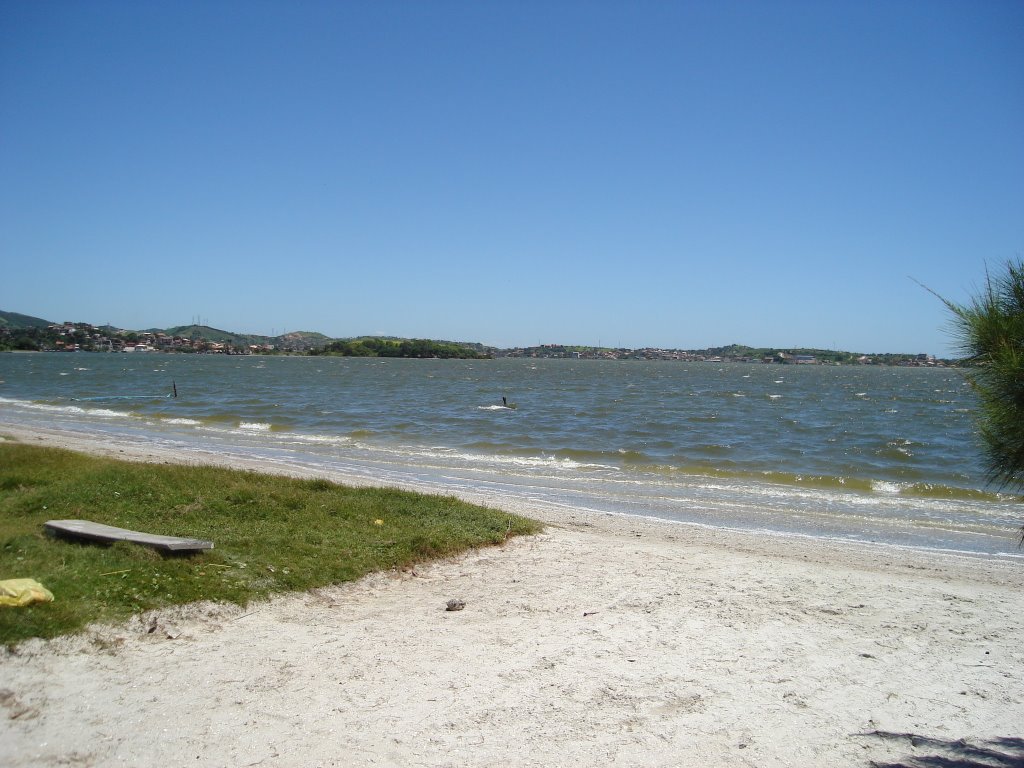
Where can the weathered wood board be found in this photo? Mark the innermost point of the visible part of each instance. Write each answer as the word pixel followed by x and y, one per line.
pixel 108 534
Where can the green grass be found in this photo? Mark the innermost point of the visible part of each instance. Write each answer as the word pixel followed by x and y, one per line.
pixel 271 534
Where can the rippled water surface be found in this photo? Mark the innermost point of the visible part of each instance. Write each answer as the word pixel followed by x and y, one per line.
pixel 869 453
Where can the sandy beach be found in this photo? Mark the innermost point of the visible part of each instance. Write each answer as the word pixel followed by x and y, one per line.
pixel 606 640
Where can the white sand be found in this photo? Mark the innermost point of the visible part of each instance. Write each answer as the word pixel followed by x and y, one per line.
pixel 604 641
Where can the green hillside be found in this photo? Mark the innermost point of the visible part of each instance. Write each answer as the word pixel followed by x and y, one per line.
pixel 311 337
pixel 15 321
pixel 205 332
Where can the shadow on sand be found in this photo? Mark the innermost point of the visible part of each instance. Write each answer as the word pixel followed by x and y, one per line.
pixel 1005 752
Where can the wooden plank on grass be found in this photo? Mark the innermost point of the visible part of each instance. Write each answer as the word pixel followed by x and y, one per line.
pixel 108 534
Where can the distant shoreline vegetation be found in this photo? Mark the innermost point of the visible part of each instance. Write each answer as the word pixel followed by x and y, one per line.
pixel 416 348
pixel 32 334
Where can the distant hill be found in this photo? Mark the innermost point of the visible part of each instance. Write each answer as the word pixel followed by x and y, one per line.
pixel 15 321
pixel 215 334
pixel 309 336
pixel 475 346
pixel 293 341
pixel 210 334
pixel 14 326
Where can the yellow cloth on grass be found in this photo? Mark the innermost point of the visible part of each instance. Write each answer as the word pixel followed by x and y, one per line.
pixel 17 592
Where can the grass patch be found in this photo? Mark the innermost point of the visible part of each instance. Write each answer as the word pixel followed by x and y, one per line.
pixel 271 534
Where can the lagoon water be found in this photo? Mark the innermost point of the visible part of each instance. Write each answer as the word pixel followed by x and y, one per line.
pixel 880 454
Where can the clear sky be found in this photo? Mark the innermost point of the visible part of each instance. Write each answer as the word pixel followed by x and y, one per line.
pixel 677 174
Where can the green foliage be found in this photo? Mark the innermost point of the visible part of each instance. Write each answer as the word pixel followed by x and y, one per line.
pixel 990 333
pixel 15 320
pixel 271 534
pixel 418 348
pixel 25 344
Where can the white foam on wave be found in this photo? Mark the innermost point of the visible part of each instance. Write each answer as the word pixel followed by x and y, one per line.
pixel 479 459
pixel 69 409
pixel 554 462
pixel 187 422
pixel 297 437
pixel 106 412
pixel 886 487
pixel 545 461
pixel 254 426
pixel 525 462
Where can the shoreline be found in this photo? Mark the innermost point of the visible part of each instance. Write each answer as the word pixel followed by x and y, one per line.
pixel 604 639
pixel 1010 569
pixel 745 449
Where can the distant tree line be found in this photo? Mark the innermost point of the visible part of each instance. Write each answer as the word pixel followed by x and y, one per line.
pixel 417 348
pixel 37 339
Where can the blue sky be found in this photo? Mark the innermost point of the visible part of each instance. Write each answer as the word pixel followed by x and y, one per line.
pixel 681 174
